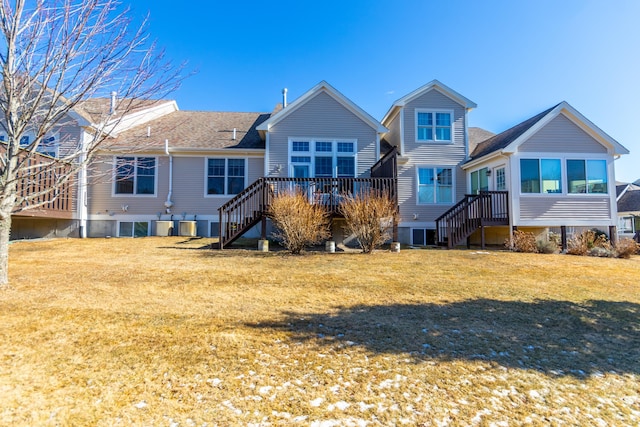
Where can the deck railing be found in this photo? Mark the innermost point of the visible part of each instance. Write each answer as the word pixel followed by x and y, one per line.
pixel 39 186
pixel 247 208
pixel 471 213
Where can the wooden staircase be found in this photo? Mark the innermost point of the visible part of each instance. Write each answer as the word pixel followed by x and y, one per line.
pixel 473 212
pixel 251 206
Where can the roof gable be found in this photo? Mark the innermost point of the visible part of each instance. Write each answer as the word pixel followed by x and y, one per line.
pixel 432 85
pixel 322 87
pixel 509 140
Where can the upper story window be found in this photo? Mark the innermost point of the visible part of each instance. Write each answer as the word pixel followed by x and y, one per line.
pixel 435 185
pixel 434 126
pixel 135 175
pixel 323 158
pixel 48 145
pixel 225 176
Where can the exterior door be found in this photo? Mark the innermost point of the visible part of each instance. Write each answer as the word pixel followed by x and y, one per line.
pixel 500 179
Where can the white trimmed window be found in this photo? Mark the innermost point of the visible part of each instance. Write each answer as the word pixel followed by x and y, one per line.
pixel 546 176
pixel 323 158
pixel 225 176
pixel 423 236
pixel 434 125
pixel 435 185
pixel 587 176
pixel 135 176
pixel 48 145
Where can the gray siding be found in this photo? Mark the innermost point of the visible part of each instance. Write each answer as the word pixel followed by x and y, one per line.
pixel 430 154
pixel 566 209
pixel 322 117
pixel 393 137
pixel 561 135
pixel 188 193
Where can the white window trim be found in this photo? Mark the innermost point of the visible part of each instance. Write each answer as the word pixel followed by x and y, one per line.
pixel 226 176
pixel 453 185
pixel 334 153
pixel 563 157
pixel 134 194
pixel 433 141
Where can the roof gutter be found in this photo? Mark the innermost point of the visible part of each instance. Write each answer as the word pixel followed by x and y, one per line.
pixel 479 160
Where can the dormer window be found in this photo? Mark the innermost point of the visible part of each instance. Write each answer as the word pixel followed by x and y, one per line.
pixel 434 125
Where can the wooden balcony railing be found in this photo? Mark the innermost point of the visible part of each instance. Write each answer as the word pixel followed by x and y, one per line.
pixel 40 189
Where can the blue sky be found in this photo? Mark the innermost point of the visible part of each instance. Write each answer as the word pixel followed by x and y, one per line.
pixel 513 58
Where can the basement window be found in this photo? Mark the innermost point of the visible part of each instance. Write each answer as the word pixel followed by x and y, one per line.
pixel 133 229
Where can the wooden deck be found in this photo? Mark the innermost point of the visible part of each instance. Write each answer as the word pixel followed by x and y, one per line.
pixel 251 206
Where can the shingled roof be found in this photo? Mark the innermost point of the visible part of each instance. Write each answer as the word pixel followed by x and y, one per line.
pixel 97 109
pixel 630 201
pixel 501 140
pixel 197 130
pixel 476 136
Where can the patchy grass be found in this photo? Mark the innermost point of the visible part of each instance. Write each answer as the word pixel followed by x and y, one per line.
pixel 163 331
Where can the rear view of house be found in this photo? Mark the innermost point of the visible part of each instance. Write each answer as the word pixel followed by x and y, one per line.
pixel 213 173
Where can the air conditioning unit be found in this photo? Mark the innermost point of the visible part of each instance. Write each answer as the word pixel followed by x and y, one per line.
pixel 164 228
pixel 187 228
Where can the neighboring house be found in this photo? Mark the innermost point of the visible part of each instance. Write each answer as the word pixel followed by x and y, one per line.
pixel 213 173
pixel 628 199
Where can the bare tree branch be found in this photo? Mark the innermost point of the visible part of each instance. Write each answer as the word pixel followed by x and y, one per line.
pixel 55 55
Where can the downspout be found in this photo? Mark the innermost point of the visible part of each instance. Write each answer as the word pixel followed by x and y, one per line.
pixel 82 191
pixel 168 204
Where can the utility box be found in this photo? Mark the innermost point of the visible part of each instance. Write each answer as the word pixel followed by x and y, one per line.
pixel 187 228
pixel 164 228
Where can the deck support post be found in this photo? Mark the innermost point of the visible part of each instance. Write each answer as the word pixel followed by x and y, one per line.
pixel 263 228
pixel 482 237
pixel 563 237
pixel 613 234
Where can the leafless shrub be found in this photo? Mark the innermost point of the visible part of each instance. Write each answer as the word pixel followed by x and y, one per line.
pixel 298 223
pixel 522 241
pixel 370 217
pixel 547 246
pixel 624 248
pixel 590 242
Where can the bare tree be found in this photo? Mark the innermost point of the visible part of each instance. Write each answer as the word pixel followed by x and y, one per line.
pixel 54 56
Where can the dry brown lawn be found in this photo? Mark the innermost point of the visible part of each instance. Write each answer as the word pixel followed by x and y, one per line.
pixel 164 332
